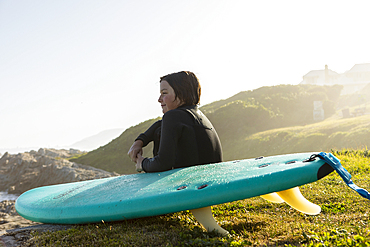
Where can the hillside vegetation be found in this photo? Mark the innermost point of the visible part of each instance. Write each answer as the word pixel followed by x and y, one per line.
pixel 352 133
pixel 265 121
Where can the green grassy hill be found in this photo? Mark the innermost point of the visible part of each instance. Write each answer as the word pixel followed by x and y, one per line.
pixel 265 121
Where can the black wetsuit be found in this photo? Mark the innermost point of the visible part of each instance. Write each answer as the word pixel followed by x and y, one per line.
pixel 184 137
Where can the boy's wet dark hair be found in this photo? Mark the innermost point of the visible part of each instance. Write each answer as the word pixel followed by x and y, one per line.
pixel 186 86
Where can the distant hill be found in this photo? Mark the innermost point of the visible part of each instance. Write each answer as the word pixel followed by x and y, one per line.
pixel 249 122
pixel 113 156
pixel 95 141
pixel 86 144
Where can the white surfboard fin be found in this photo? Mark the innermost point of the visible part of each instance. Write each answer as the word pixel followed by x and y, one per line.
pixel 294 198
pixel 205 218
pixel 273 197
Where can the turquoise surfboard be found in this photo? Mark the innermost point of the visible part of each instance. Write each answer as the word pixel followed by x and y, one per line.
pixel 149 194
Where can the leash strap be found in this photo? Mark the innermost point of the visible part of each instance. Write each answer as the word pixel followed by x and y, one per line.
pixel 335 163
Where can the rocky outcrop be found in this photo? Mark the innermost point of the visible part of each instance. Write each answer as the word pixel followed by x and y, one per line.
pixel 24 171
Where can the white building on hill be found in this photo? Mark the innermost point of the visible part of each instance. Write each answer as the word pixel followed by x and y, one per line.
pixel 353 80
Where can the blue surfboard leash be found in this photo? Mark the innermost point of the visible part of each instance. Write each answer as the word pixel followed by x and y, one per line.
pixel 337 166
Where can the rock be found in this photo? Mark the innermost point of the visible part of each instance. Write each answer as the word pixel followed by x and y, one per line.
pixel 7 208
pixel 54 153
pixel 10 219
pixel 12 225
pixel 24 171
pixel 74 151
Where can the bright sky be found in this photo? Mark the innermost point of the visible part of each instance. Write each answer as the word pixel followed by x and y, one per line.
pixel 73 68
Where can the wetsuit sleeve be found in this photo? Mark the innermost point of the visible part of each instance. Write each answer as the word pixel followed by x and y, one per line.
pixel 149 134
pixel 171 132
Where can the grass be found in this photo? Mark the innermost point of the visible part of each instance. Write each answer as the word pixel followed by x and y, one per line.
pixel 76 156
pixel 344 220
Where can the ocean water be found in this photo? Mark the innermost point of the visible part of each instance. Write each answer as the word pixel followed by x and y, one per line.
pixel 5 196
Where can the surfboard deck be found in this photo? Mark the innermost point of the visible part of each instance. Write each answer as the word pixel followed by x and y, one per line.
pixel 149 194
